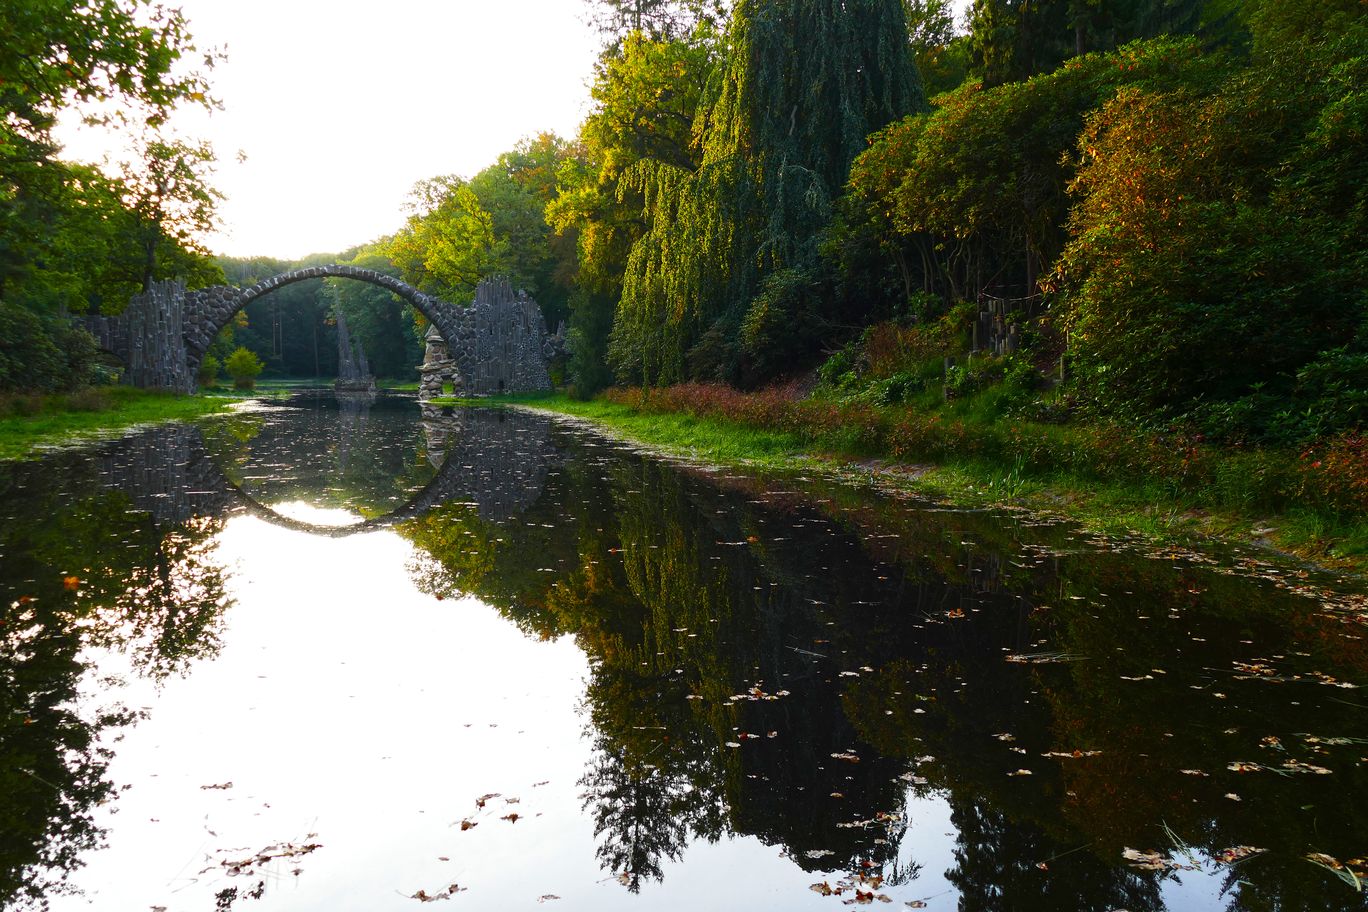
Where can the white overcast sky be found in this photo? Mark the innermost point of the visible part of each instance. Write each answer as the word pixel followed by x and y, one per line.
pixel 341 107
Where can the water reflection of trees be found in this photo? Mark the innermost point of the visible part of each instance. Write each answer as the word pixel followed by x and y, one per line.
pixel 84 570
pixel 888 628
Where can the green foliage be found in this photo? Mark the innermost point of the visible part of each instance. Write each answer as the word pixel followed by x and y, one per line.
pixel 69 235
pixel 789 107
pixel 209 371
pixel 172 205
pixel 38 353
pixel 382 323
pixel 976 192
pixel 243 366
pixel 1217 248
pixel 647 94
pixel 448 243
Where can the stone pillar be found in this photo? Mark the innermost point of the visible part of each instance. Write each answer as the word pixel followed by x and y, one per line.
pixel 156 357
pixel 437 368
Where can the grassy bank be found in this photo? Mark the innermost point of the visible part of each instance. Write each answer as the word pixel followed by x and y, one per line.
pixel 31 422
pixel 1105 477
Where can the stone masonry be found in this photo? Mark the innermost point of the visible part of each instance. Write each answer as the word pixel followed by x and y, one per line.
pixel 497 344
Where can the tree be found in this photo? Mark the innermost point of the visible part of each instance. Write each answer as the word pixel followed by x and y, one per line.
pixel 448 243
pixel 647 94
pixel 118 62
pixel 801 87
pixel 243 366
pixel 172 204
pixel 655 19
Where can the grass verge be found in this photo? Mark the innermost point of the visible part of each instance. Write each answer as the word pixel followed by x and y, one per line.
pixel 31 422
pixel 1151 505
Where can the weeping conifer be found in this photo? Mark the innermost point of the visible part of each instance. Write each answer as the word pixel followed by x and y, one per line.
pixel 729 248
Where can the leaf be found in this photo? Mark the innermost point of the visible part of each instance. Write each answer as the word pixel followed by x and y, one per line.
pixel 71 583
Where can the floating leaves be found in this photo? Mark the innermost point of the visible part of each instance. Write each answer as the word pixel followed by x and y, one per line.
pixel 1353 872
pixel 1288 767
pixel 1153 861
pixel 861 887
pixel 247 866
pixel 450 891
pixel 1236 853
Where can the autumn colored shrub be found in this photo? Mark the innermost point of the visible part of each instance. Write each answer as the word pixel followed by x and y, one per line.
pixel 1336 473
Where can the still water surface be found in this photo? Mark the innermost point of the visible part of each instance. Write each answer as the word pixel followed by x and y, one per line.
pixel 325 655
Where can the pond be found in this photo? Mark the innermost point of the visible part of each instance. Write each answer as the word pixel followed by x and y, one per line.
pixel 331 655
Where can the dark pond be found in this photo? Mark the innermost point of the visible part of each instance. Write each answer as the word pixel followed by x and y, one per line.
pixel 325 655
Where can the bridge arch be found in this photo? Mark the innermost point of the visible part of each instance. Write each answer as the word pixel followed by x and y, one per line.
pixel 208 310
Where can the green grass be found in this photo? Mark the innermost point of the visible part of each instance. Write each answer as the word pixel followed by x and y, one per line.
pixel 1151 507
pixel 707 439
pixel 30 422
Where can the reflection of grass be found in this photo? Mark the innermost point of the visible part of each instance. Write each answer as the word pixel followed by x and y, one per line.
pixel 30 422
pixel 1338 868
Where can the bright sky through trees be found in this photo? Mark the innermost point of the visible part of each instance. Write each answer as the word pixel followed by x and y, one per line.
pixel 341 108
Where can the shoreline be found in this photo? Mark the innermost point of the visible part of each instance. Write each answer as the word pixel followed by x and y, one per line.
pixel 57 421
pixel 1109 508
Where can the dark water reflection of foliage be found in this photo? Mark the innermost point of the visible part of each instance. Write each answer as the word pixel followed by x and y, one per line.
pixel 84 570
pixel 790 659
pixel 887 629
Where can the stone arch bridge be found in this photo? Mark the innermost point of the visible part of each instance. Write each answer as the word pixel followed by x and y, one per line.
pixel 498 343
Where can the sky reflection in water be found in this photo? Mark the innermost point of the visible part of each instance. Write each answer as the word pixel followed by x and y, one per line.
pixel 672 688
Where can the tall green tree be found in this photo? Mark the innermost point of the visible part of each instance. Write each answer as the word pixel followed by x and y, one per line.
pixel 721 283
pixel 646 95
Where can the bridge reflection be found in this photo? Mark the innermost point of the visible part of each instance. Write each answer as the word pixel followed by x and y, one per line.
pixel 482 459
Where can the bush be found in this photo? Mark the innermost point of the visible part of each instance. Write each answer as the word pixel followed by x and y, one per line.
pixel 243 366
pixel 209 371
pixel 42 354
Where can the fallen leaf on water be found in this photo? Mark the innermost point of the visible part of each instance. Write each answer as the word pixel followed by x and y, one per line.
pixel 823 888
pixel 511 818
pixel 480 802
pixel 71 583
pixel 547 897
pixel 846 756
pixel 1236 853
pixel 220 786
pixel 1195 773
pixel 467 824
pixel 1232 796
pixel 1022 772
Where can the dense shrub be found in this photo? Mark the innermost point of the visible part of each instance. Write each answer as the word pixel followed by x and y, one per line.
pixel 208 371
pixel 44 354
pixel 243 366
